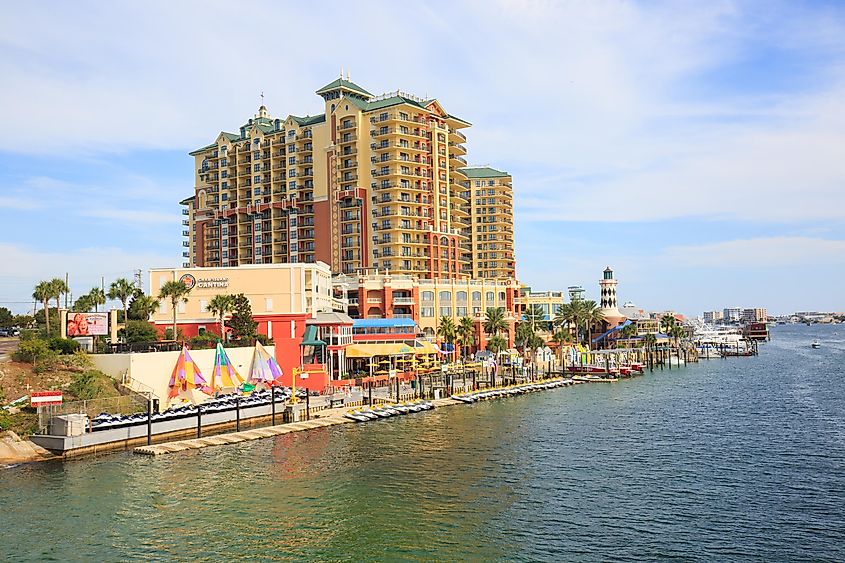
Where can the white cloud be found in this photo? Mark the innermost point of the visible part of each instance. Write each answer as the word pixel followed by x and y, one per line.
pixel 18 203
pixel 132 216
pixel 770 252
pixel 577 98
pixel 86 267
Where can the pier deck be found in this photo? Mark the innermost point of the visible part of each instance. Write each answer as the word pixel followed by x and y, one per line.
pixel 334 418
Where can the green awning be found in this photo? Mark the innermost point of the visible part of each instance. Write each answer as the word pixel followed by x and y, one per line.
pixel 310 337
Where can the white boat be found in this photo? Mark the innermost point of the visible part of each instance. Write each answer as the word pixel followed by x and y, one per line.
pixel 708 351
pixel 816 344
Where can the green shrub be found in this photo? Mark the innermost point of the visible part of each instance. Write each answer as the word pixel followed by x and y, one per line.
pixel 168 334
pixel 29 334
pixel 204 341
pixel 140 332
pixel 64 345
pixel 264 339
pixel 51 361
pixel 92 384
pixel 31 350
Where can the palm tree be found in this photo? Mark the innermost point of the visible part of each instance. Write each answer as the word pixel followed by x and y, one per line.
pixel 145 304
pixel 58 287
pixel 524 332
pixel 175 291
pixel 83 304
pixel 98 297
pixel 466 333
pixel 569 315
pixel 591 314
pixel 676 332
pixel 650 340
pixel 220 305
pixel 667 321
pixel 562 337
pixel 495 321
pixel 122 289
pixel 535 316
pixel 43 292
pixel 446 328
pixel 496 344
pixel 629 331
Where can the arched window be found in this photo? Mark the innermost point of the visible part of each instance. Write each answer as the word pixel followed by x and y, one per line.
pixel 462 296
pixel 428 296
pixel 476 296
pixel 445 296
pixel 501 296
pixel 490 296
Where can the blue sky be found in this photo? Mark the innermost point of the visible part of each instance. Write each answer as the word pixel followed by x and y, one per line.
pixel 696 147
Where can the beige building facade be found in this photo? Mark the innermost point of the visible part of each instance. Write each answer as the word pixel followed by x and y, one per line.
pixel 272 289
pixel 370 182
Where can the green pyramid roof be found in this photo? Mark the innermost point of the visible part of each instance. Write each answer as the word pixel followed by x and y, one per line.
pixel 343 84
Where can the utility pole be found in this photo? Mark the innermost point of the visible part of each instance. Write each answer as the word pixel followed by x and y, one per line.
pixel 67 281
pixel 138 282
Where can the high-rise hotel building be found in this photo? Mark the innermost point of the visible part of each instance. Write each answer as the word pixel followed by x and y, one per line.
pixel 374 182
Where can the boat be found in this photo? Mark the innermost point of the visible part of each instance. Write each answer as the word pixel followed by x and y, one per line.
pixel 816 344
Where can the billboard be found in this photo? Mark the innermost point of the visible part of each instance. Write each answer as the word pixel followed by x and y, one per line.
pixel 87 324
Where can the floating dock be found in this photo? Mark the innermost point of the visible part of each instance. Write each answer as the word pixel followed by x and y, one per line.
pixel 238 437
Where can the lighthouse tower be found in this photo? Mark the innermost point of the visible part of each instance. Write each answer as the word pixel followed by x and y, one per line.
pixel 609 305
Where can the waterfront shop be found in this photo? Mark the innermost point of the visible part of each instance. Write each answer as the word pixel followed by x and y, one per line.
pixel 283 299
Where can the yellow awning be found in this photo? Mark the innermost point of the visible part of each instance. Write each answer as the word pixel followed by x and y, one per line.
pixel 424 347
pixel 371 350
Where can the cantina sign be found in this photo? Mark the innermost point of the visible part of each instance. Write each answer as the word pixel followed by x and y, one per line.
pixel 213 282
pixel 191 282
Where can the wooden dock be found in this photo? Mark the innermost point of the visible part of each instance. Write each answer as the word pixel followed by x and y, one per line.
pixel 237 437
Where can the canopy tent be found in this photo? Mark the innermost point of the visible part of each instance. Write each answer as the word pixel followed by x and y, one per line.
pixel 264 368
pixel 186 377
pixel 372 350
pixel 225 376
pixel 424 347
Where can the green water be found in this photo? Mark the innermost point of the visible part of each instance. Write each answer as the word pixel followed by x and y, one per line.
pixel 738 459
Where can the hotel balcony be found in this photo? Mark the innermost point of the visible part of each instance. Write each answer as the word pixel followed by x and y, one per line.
pixel 455 133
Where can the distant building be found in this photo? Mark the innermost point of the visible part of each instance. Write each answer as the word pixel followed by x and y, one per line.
pixel 576 293
pixel 732 314
pixel 711 317
pixel 755 315
pixel 549 301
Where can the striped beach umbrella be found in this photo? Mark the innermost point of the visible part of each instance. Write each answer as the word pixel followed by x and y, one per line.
pixel 264 368
pixel 186 376
pixel 225 375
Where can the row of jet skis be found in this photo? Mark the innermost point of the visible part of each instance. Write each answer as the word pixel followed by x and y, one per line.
pixel 388 410
pixel 510 390
pixel 106 421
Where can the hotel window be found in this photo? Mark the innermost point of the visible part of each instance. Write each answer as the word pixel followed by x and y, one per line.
pixel 445 311
pixel 203 306
pixel 268 304
pixel 181 306
pixel 490 296
pixel 445 296
pixel 476 296
pixel 462 311
pixel 428 296
pixel 501 296
pixel 427 311
pixel 162 307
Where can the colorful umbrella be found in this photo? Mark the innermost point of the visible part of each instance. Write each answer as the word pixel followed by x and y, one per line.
pixel 186 375
pixel 225 375
pixel 264 368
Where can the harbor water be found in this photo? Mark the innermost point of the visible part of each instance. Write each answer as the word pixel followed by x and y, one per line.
pixel 741 459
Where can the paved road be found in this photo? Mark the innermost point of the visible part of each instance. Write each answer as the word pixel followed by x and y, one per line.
pixel 6 346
